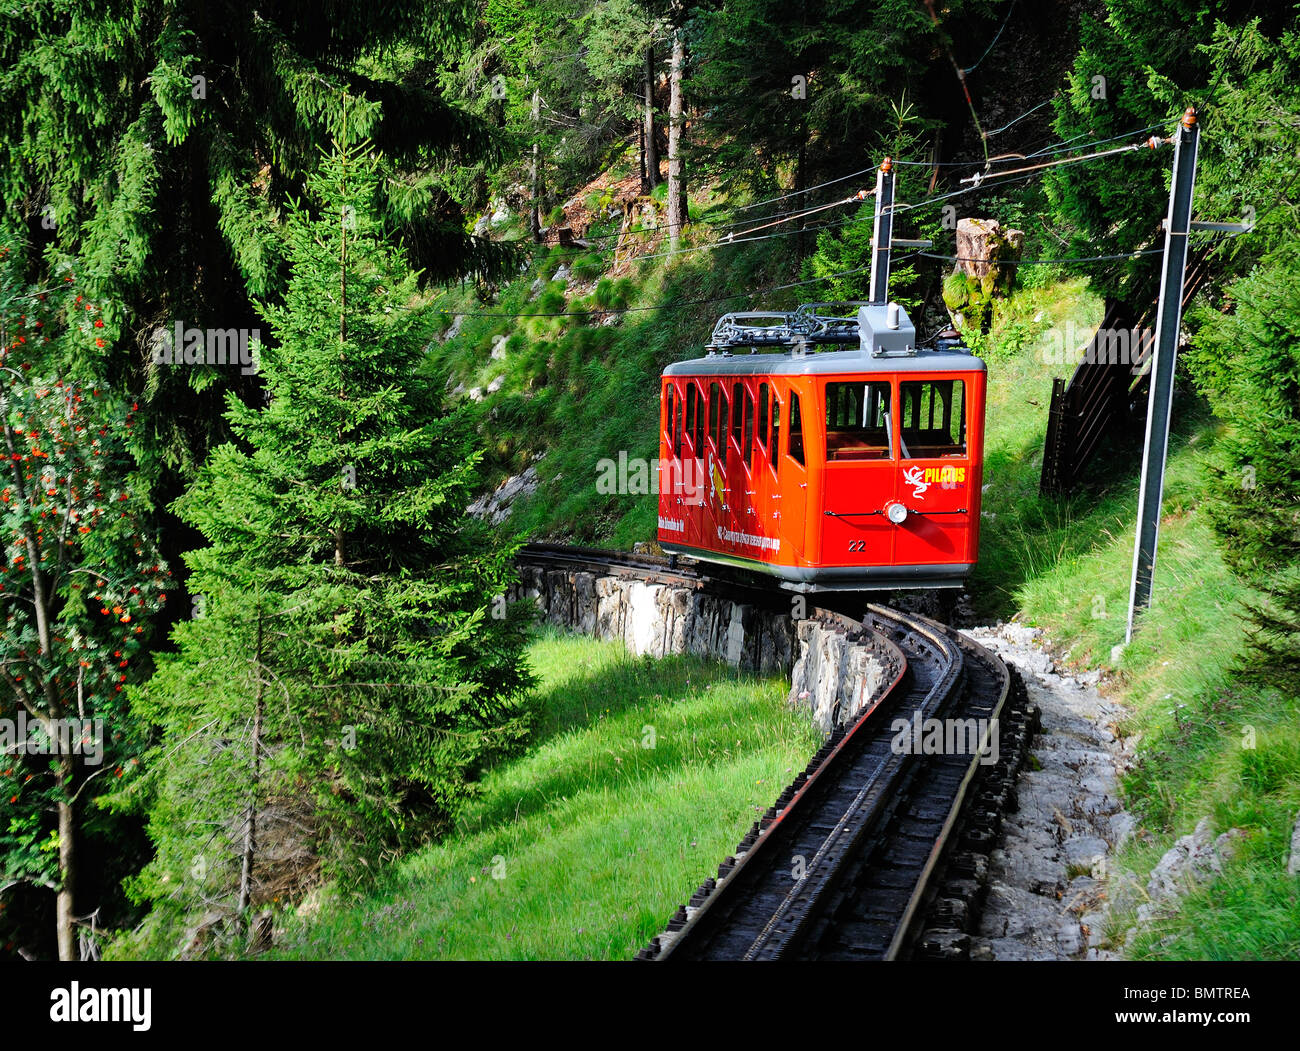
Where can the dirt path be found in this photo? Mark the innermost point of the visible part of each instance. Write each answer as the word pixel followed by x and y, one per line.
pixel 1047 879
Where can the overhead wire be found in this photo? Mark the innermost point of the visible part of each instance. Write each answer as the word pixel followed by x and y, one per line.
pixel 1063 261
pixel 1013 123
pixel 810 189
pixel 996 38
pixel 861 195
pixel 997 179
pixel 674 304
pixel 1055 148
pixel 979 181
pixel 1152 143
pixel 979 178
pixel 658 230
pixel 1066 145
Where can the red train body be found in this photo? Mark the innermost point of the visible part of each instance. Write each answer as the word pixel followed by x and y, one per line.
pixel 795 464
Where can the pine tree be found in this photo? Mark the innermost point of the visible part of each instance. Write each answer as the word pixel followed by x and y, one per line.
pixel 355 614
pixel 1140 64
pixel 161 146
pixel 1248 364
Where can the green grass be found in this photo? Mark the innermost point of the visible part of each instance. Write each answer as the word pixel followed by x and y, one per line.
pixel 583 848
pixel 1246 914
pixel 581 391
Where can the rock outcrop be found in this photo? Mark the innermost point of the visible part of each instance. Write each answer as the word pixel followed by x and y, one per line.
pixel 986 269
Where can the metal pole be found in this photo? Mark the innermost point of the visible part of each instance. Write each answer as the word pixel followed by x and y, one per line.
pixel 883 232
pixel 1163 362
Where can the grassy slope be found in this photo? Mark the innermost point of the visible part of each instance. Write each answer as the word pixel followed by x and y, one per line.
pixel 597 837
pixel 580 390
pixel 1065 565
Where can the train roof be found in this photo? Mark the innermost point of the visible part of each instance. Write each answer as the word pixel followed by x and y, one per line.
pixel 790 363
pixel 881 336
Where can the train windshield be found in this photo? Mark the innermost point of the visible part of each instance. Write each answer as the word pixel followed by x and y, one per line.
pixel 857 421
pixel 932 418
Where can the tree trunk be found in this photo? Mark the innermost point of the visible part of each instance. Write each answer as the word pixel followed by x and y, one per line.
pixel 535 176
pixel 250 823
pixel 640 146
pixel 676 178
pixel 649 148
pixel 63 910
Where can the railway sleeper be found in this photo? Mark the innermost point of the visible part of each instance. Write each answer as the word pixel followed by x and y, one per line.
pixel 941 944
pixel 966 873
pixel 951 912
pixel 969 891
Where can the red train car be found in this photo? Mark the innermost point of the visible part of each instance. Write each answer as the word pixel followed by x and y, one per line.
pixel 846 458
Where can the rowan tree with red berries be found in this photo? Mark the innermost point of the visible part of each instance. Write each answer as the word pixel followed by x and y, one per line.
pixel 80 577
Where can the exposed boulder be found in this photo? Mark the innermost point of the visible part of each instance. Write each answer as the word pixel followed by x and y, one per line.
pixel 1193 859
pixel 495 506
pixel 986 270
pixel 1293 863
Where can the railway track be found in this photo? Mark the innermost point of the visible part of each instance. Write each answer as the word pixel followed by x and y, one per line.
pixel 875 850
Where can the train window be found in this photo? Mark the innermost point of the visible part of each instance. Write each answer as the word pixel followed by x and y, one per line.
pixel 749 429
pixel 719 393
pixel 774 439
pixel 762 415
pixel 932 418
pixel 857 421
pixel 692 397
pixel 696 426
pixel 668 409
pixel 737 395
pixel 796 429
pixel 713 412
pixel 677 429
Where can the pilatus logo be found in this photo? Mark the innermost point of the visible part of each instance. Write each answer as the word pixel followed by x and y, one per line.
pixel 915 477
pixel 921 478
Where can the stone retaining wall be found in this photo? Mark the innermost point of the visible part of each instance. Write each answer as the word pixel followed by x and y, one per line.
pixel 832 673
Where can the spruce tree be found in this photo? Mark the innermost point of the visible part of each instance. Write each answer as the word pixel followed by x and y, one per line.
pixel 1248 364
pixel 355 649
pixel 1140 64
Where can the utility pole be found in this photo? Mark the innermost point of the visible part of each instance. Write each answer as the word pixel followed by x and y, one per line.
pixel 882 232
pixel 882 236
pixel 1178 224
